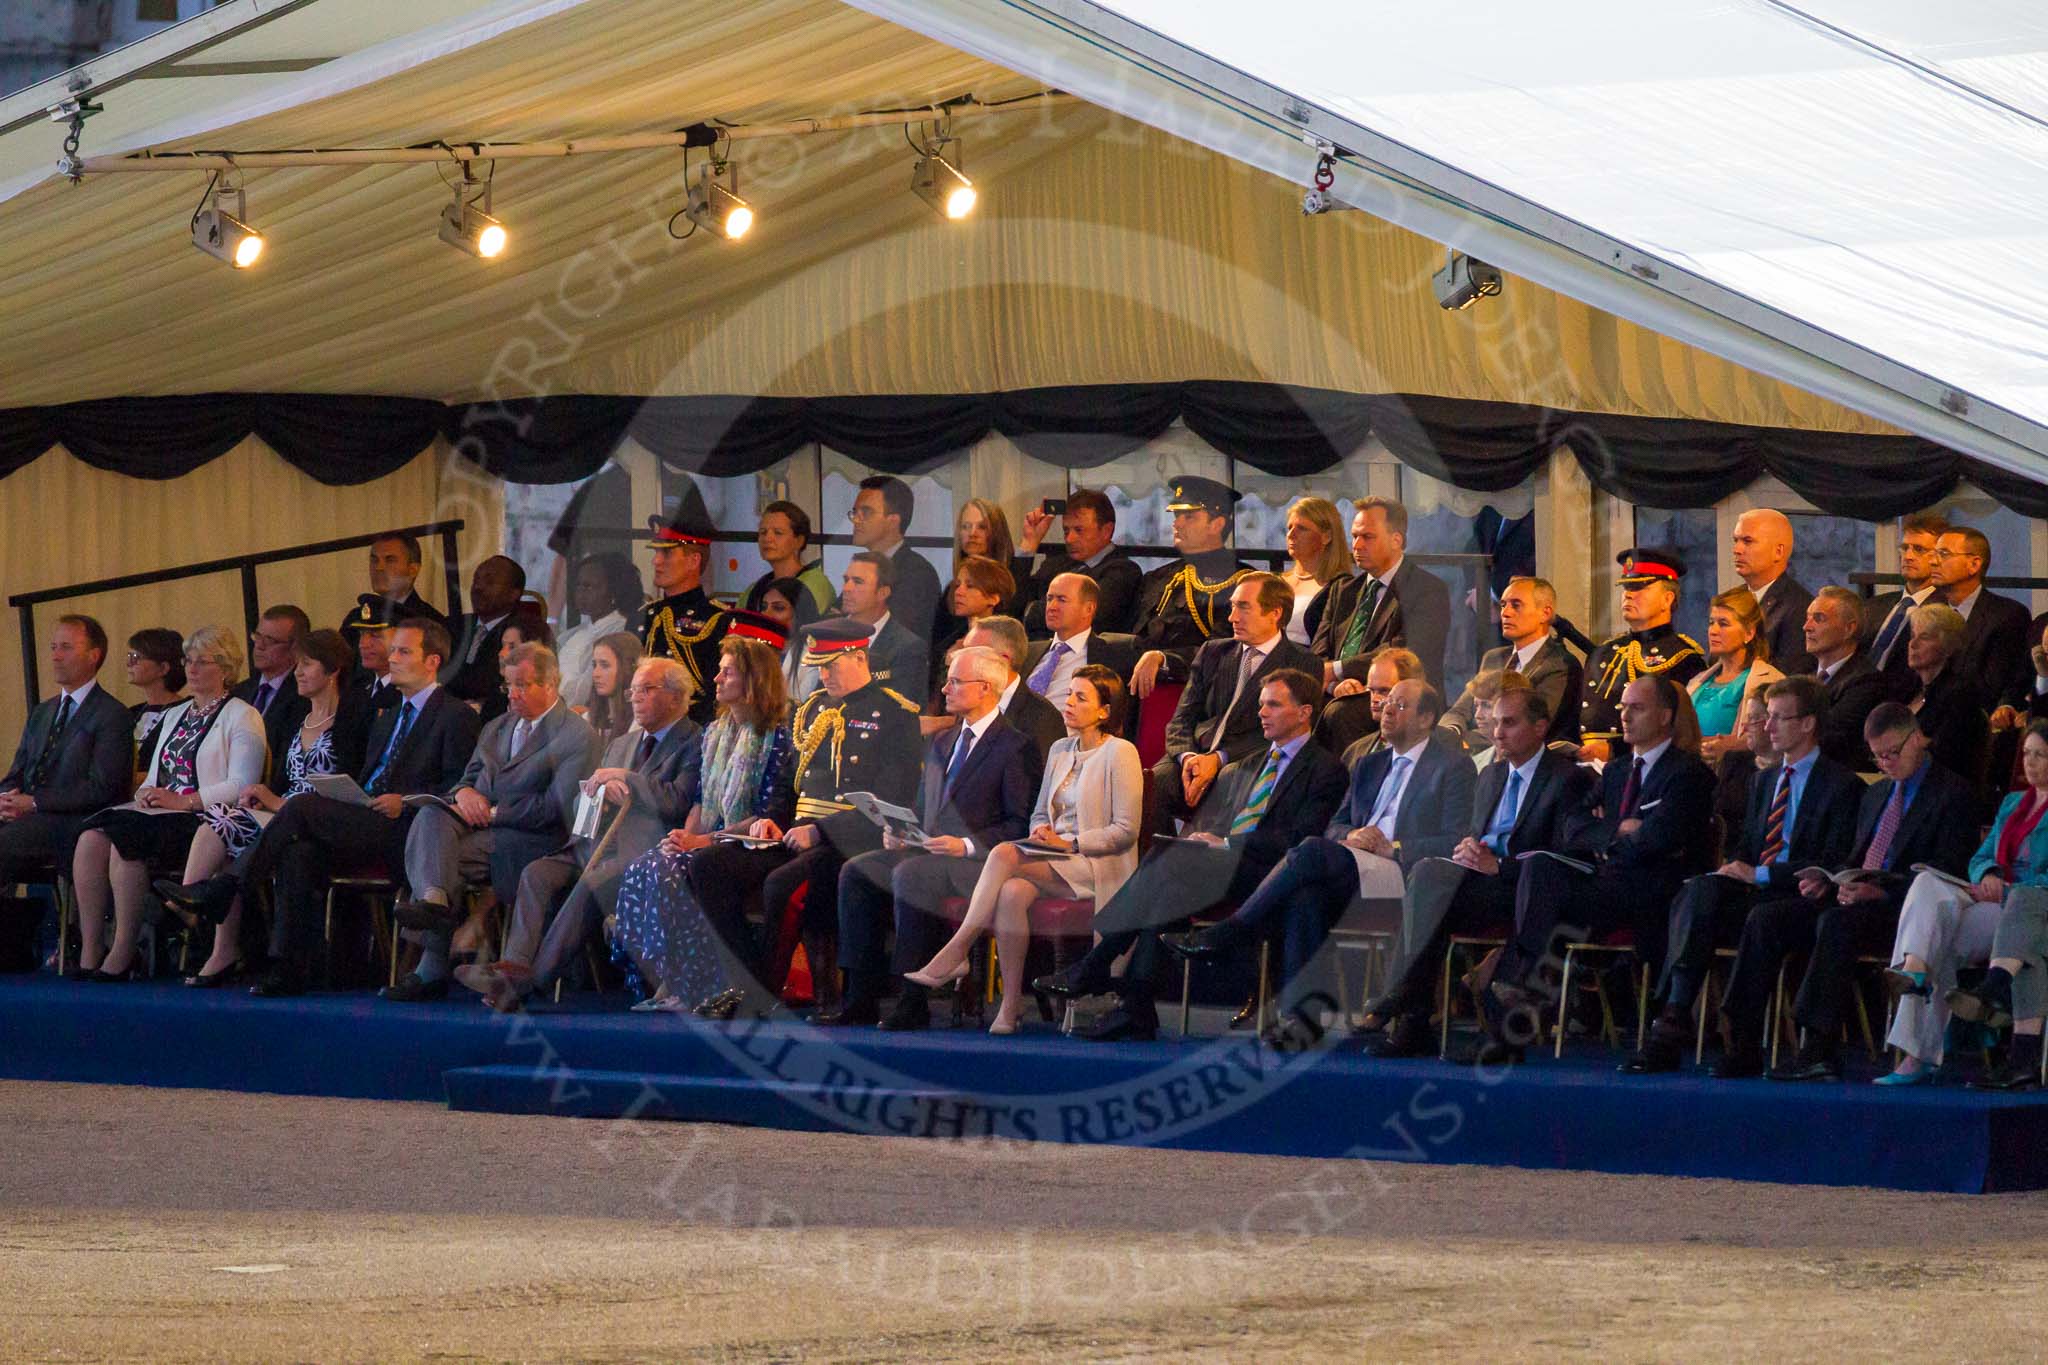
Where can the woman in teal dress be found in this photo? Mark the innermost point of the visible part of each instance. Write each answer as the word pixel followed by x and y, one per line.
pixel 1740 656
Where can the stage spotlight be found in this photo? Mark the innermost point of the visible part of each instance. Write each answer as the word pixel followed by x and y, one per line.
pixel 466 221
pixel 717 207
pixel 225 235
pixel 941 184
pixel 1464 281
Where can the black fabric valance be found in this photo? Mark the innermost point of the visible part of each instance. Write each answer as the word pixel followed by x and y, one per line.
pixel 1283 430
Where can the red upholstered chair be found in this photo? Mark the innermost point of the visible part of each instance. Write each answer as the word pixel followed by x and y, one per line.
pixel 1153 714
pixel 787 935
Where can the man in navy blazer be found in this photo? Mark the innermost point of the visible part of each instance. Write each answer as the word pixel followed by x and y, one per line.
pixel 1649 827
pixel 1265 803
pixel 76 756
pixel 1921 813
pixel 1410 800
pixel 978 788
pixel 1802 813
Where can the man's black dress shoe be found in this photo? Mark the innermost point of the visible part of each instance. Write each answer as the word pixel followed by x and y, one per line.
pixel 429 915
pixel 411 990
pixel 851 1013
pixel 1812 1064
pixel 1072 983
pixel 279 983
pixel 1246 1012
pixel 1199 945
pixel 2015 1073
pixel 1738 1064
pixel 723 1005
pixel 1408 1036
pixel 1980 1007
pixel 911 1012
pixel 1658 1054
pixel 1125 1023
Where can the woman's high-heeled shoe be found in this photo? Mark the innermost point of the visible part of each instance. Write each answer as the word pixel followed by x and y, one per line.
pixel 1002 1026
pixel 924 976
pixel 210 981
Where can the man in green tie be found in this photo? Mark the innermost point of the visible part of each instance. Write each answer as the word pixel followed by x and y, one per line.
pixel 1265 803
pixel 1390 601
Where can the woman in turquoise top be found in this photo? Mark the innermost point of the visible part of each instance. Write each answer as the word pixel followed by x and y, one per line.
pixel 1741 657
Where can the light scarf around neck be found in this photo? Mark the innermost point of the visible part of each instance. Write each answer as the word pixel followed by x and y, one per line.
pixel 735 754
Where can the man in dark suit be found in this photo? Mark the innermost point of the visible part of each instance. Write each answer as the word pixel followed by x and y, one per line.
pixel 1070 612
pixel 649 775
pixel 76 756
pixel 1920 813
pixel 1525 800
pixel 1802 813
pixel 471 670
pixel 272 687
pixel 976 792
pixel 1646 828
pixel 514 803
pixel 1217 720
pixel 1884 616
pixel 881 515
pixel 1089 526
pixel 1267 802
pixel 1388 602
pixel 1527 607
pixel 1761 547
pixel 1037 718
pixel 1854 686
pixel 897 658
pixel 1997 631
pixel 419 746
pixel 395 562
pixel 1411 800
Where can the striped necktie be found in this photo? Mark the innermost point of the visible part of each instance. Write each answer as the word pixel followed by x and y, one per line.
pixel 1774 823
pixel 1354 629
pixel 1261 795
pixel 1880 849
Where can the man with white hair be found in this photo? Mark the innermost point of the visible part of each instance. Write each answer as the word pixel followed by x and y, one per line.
pixel 1762 550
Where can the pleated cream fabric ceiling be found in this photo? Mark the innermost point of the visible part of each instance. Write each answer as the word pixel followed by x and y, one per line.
pixel 1102 251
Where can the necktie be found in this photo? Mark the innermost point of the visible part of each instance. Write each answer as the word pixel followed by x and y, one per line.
pixel 959 758
pixel 1247 664
pixel 1880 848
pixel 48 755
pixel 407 712
pixel 1261 795
pixel 1504 816
pixel 1354 630
pixel 1041 676
pixel 1881 648
pixel 644 752
pixel 263 695
pixel 1390 796
pixel 1774 823
pixel 1632 790
pixel 520 731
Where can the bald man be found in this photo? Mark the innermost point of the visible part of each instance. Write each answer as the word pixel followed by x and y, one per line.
pixel 1762 546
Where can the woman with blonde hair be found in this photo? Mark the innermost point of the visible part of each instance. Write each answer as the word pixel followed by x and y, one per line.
pixel 1089 808
pixel 212 750
pixel 1321 556
pixel 1739 667
pixel 983 530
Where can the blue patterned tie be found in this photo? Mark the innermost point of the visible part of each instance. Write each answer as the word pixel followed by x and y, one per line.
pixel 1504 815
pixel 1261 795
pixel 1041 676
pixel 406 712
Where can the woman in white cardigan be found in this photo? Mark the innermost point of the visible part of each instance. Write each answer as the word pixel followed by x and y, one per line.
pixel 1090 802
pixel 212 749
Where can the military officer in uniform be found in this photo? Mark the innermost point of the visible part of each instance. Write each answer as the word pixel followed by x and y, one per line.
pixel 368 631
pixel 1185 604
pixel 852 734
pixel 1651 646
pixel 684 624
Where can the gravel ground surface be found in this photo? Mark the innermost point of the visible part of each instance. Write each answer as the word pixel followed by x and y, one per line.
pixel 142 1224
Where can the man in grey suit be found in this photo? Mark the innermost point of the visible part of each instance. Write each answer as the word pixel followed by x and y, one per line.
pixel 514 804
pixel 1527 607
pixel 650 774
pixel 76 756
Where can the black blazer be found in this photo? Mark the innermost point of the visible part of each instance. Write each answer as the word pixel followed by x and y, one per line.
pixel 1115 652
pixel 1939 828
pixel 900 659
pixel 1997 653
pixel 435 752
pixel 1116 579
pixel 1952 716
pixel 1436 808
pixel 478 679
pixel 1212 679
pixel 1557 790
pixel 1308 794
pixel 915 599
pixel 93 767
pixel 1853 693
pixel 1556 674
pixel 1784 604
pixel 1676 806
pixel 992 798
pixel 1826 827
pixel 1039 721
pixel 1415 614
pixel 287 712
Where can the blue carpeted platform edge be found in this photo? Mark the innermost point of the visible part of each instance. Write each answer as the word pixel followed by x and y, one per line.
pixel 1203 1095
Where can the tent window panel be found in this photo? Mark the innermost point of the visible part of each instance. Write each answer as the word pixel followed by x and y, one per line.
pixel 1828 549
pixel 156 11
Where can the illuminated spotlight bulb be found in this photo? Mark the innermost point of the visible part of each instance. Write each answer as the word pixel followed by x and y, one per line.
pixel 467 226
pixel 714 207
pixel 222 235
pixel 941 184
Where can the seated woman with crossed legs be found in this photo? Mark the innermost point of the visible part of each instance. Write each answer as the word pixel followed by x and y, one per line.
pixel 1091 802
